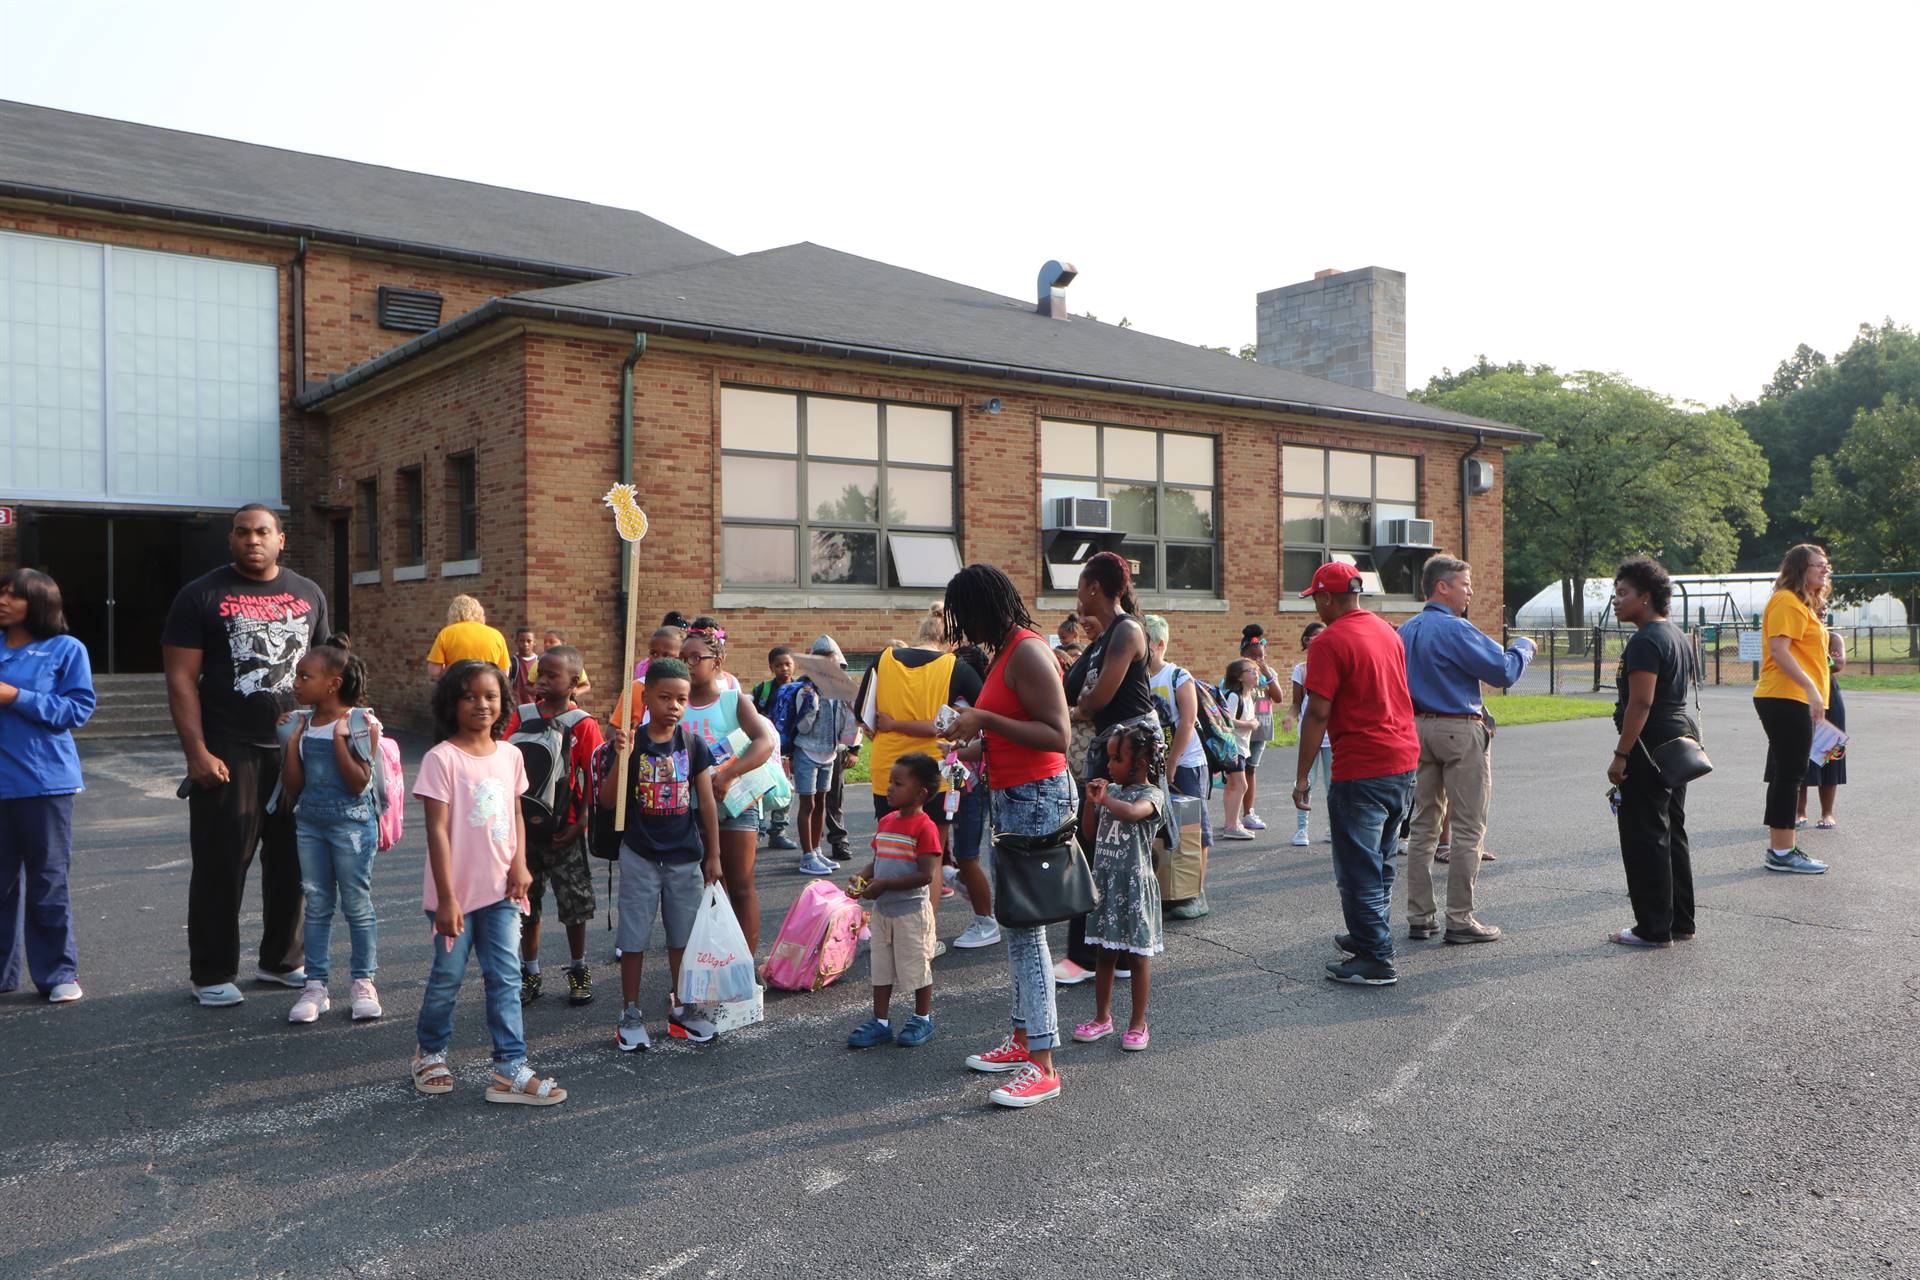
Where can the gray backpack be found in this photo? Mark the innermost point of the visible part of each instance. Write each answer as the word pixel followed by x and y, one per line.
pixel 546 749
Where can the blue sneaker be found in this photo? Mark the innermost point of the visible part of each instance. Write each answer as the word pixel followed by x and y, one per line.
pixel 919 1030
pixel 781 840
pixel 1795 862
pixel 812 864
pixel 874 1032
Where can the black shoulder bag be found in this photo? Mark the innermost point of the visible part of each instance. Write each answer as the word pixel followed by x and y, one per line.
pixel 1040 880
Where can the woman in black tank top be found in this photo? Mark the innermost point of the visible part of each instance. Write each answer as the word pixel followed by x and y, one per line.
pixel 1106 687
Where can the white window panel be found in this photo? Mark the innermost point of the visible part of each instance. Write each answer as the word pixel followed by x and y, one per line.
pixel 200 337
pixel 52 422
pixel 924 560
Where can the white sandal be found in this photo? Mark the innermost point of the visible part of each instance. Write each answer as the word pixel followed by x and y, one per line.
pixel 431 1073
pixel 525 1088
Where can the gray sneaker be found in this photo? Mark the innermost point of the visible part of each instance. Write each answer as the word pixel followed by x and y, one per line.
pixel 632 1032
pixel 1796 863
pixel 1472 931
pixel 218 996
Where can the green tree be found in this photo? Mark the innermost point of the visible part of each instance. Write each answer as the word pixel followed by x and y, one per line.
pixel 1866 500
pixel 1805 412
pixel 1621 471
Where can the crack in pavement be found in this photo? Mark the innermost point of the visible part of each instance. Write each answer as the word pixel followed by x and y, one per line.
pixel 1232 950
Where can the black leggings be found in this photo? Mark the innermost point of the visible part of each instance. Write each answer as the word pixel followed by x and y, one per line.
pixel 1789 727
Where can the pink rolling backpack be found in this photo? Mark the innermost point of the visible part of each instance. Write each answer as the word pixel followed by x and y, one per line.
pixel 818 939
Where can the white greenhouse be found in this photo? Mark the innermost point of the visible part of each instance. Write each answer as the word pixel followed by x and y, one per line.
pixel 1724 600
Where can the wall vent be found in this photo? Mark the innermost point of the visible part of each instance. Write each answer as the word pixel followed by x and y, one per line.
pixel 414 310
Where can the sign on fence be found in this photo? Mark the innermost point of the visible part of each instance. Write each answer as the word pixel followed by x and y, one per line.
pixel 1753 646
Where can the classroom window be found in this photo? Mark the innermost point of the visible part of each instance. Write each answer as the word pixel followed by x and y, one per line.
pixel 463 508
pixel 413 517
pixel 369 504
pixel 1161 487
pixel 1334 505
pixel 826 491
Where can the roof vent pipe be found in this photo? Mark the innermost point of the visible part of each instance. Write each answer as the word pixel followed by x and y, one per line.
pixel 1054 279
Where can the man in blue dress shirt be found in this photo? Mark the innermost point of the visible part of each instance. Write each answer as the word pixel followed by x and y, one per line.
pixel 1448 659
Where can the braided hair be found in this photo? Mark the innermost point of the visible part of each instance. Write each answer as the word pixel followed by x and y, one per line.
pixel 1144 737
pixel 341 661
pixel 983 605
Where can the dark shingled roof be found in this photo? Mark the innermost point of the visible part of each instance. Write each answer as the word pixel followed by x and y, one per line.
pixel 821 297
pixel 92 161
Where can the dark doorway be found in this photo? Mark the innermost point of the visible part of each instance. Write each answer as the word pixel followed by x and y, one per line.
pixel 119 574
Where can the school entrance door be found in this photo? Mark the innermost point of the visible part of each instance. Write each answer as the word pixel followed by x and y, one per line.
pixel 118 574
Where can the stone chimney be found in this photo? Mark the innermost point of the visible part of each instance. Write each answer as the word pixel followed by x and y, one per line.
pixel 1345 326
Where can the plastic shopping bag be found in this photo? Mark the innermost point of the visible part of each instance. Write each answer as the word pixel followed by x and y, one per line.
pixel 717 965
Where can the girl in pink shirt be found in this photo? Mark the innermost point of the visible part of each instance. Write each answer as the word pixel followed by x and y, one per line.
pixel 476 881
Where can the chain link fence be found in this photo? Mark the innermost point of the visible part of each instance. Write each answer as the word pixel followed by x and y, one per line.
pixel 1576 660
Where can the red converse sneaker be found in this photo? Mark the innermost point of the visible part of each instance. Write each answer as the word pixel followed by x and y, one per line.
pixel 1027 1088
pixel 1010 1056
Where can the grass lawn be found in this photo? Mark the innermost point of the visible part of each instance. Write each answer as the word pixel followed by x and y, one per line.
pixel 1908 683
pixel 1544 708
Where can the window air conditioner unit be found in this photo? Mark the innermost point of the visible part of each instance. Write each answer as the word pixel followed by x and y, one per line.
pixel 1092 515
pixel 1407 533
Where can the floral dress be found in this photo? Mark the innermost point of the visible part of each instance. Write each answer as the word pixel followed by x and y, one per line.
pixel 1127 916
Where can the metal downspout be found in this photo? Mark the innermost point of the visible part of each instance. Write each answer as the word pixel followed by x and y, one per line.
pixel 626 443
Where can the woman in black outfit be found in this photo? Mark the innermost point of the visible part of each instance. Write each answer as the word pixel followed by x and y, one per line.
pixel 1106 686
pixel 1650 708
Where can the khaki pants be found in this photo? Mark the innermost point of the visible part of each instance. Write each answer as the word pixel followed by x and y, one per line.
pixel 1455 779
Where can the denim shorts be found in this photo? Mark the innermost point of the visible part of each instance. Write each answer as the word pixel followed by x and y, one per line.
pixel 810 779
pixel 1255 749
pixel 671 890
pixel 747 820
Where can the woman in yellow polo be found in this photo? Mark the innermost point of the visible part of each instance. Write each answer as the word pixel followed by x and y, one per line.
pixel 465 636
pixel 1791 697
pixel 902 693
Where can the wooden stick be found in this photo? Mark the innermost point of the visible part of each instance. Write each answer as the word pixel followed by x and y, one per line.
pixel 624 704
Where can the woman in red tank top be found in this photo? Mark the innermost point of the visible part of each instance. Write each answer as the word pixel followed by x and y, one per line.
pixel 1022 718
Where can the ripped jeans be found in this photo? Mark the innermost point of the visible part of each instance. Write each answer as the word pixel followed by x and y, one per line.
pixel 337 844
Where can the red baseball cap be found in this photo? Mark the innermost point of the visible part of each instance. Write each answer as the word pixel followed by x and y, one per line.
pixel 1335 578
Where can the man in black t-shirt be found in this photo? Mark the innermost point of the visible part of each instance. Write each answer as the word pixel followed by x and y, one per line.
pixel 232 639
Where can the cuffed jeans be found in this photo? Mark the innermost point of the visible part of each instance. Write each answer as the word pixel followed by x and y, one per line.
pixel 225 825
pixel 336 866
pixel 1364 816
pixel 492 935
pixel 1033 809
pixel 36 850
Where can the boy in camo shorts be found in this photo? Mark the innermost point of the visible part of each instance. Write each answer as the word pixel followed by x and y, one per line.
pixel 562 864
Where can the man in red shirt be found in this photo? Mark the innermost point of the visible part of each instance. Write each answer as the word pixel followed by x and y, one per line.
pixel 1357 695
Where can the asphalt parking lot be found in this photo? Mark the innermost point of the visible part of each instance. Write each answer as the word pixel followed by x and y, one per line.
pixel 1745 1105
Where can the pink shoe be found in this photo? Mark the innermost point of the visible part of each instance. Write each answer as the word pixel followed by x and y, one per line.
pixel 1089 1032
pixel 1010 1056
pixel 1135 1041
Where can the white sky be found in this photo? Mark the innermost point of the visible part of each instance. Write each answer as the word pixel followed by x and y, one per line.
pixel 1680 192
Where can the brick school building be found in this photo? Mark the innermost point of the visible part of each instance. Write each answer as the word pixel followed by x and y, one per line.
pixel 436 381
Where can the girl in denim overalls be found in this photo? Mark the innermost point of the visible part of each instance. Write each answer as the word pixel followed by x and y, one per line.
pixel 328 779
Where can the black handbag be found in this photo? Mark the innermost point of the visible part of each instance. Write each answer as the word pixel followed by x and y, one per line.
pixel 1040 880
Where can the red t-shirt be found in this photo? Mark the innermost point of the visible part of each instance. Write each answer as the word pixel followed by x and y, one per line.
pixel 1358 669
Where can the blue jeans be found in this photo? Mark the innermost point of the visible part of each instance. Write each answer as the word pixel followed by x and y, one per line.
pixel 1364 816
pixel 1033 809
pixel 36 848
pixel 336 865
pixel 969 824
pixel 493 936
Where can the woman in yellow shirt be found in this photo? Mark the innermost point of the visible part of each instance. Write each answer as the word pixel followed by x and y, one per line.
pixel 467 635
pixel 1791 697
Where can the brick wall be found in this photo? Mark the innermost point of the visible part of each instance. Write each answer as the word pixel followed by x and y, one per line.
pixel 572 564
pixel 478 404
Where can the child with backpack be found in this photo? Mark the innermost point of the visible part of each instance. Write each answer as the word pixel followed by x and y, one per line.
pixel 670 850
pixel 1126 917
pixel 815 734
pixel 1240 687
pixel 906 861
pixel 476 882
pixel 327 777
pixel 774 818
pixel 556 741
